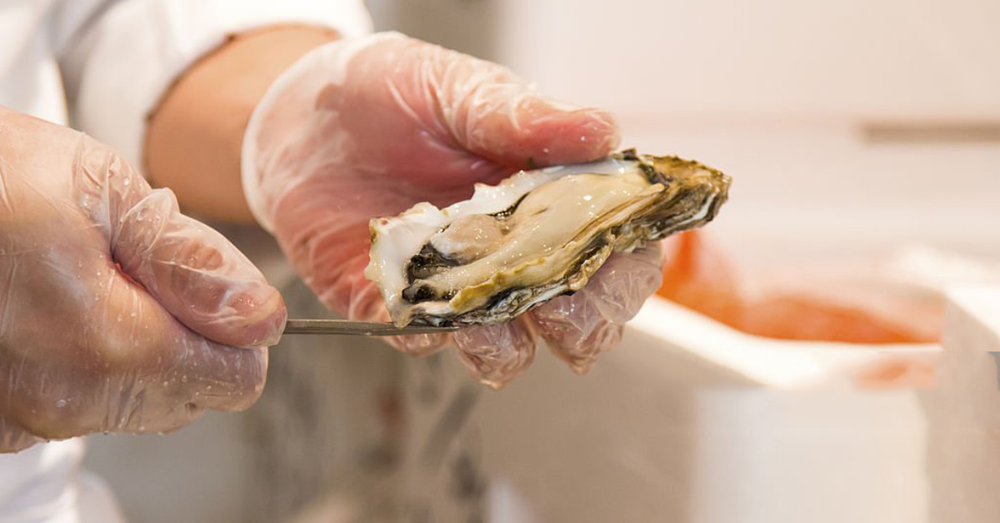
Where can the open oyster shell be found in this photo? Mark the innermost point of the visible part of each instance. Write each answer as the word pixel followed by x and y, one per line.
pixel 534 236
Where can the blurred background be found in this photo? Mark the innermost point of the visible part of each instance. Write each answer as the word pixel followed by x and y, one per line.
pixel 853 130
pixel 875 119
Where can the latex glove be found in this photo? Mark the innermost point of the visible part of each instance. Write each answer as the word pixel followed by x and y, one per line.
pixel 364 128
pixel 117 313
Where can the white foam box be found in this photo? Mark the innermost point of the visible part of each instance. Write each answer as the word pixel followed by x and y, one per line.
pixel 689 421
pixel 963 412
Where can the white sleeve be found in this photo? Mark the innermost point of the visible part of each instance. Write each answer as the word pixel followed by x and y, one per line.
pixel 44 484
pixel 131 52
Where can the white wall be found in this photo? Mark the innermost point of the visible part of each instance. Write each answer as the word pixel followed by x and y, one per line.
pixel 816 58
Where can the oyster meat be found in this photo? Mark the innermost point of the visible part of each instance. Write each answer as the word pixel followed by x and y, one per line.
pixel 534 236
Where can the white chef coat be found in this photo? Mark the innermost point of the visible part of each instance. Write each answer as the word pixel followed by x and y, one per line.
pixel 103 65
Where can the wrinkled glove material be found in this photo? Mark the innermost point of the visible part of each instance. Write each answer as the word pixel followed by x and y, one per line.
pixel 369 127
pixel 117 312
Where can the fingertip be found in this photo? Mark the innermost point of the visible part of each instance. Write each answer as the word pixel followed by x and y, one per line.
pixel 575 329
pixel 537 132
pixel 582 356
pixel 577 337
pixel 258 321
pixel 420 345
pixel 496 354
pixel 557 134
pixel 622 286
pixel 251 316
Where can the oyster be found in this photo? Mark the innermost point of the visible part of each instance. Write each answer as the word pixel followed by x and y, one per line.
pixel 534 236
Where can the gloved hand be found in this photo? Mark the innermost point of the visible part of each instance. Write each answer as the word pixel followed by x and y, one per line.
pixel 369 127
pixel 117 313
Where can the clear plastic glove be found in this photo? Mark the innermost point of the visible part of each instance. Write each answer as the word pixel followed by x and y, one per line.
pixel 364 128
pixel 117 313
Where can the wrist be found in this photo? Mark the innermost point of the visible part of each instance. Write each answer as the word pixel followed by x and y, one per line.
pixel 195 135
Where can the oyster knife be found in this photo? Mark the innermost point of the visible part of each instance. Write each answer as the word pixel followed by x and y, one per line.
pixel 357 328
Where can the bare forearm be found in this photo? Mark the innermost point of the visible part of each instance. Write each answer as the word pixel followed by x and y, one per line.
pixel 194 137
